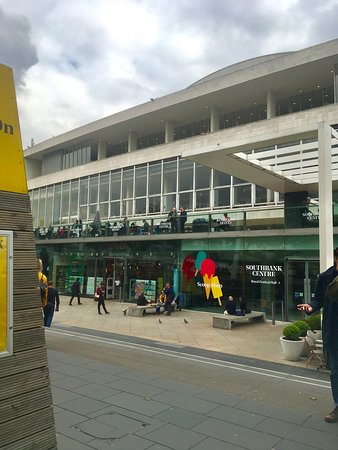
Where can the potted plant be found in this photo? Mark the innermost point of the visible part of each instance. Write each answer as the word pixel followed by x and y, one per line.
pixel 315 324
pixel 291 342
pixel 304 327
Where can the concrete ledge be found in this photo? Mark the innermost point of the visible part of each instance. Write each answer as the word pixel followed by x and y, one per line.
pixel 139 311
pixel 226 321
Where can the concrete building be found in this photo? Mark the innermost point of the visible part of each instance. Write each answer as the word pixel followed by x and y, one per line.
pixel 247 151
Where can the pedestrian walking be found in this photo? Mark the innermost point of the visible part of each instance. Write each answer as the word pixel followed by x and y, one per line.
pixel 326 297
pixel 53 304
pixel 100 292
pixel 76 292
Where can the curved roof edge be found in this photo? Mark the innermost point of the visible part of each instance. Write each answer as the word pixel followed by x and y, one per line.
pixel 239 66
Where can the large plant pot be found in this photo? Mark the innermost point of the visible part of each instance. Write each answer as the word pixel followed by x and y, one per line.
pixel 292 350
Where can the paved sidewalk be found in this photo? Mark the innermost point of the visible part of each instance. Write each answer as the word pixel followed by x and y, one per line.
pixel 100 405
pixel 254 340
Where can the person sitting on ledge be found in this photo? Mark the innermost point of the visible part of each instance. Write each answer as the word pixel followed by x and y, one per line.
pixel 141 300
pixel 230 306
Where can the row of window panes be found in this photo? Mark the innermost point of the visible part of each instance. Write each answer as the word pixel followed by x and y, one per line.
pixel 148 189
pixel 192 129
pixel 294 103
pixel 151 140
pixel 305 100
pixel 247 115
pixel 73 157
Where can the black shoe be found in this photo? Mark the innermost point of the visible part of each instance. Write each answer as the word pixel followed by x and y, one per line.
pixel 107 312
pixel 70 304
pixel 100 312
pixel 333 416
pixel 79 303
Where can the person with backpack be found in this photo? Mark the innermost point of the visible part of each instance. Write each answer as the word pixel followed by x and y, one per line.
pixel 53 303
pixel 43 283
pixel 76 292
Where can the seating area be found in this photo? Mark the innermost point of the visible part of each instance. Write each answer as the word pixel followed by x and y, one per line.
pixel 217 221
pixel 139 311
pixel 227 321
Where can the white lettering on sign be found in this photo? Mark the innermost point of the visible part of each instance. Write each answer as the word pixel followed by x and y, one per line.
pixel 209 285
pixel 262 270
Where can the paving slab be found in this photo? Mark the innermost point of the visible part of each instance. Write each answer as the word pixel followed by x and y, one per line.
pixel 235 434
pixel 181 417
pixel 175 437
pixel 299 434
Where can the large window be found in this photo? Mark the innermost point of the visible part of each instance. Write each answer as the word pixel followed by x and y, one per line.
pixel 115 194
pixel 154 179
pixel 242 195
pixel 140 181
pixel 42 207
pixel 169 177
pixel 74 199
pixel 49 206
pixel 186 175
pixel 146 189
pixel 65 202
pixel 57 205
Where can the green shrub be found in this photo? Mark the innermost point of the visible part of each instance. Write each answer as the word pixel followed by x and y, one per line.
pixel 291 333
pixel 303 326
pixel 315 322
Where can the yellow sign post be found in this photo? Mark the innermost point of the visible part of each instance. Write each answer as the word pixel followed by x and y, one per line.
pixel 12 168
pixel 12 179
pixel 6 293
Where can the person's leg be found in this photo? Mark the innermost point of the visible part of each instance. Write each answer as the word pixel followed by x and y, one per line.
pixel 99 303
pixel 48 315
pixel 70 301
pixel 78 299
pixel 104 307
pixel 333 363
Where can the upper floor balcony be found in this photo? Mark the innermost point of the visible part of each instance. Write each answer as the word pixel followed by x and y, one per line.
pixel 214 224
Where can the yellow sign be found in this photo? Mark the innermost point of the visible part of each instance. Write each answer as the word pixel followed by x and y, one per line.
pixel 12 168
pixel 3 293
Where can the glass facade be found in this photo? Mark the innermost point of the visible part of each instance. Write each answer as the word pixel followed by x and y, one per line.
pixel 152 188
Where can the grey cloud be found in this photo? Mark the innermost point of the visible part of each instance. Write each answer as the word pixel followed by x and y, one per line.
pixel 16 50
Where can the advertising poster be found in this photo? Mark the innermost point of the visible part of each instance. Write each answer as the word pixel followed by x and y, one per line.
pixel 6 337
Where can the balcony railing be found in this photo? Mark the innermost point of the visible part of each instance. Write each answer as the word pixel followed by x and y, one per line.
pixel 264 218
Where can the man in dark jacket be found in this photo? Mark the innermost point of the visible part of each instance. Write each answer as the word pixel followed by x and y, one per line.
pixel 76 291
pixel 169 295
pixel 326 297
pixel 53 303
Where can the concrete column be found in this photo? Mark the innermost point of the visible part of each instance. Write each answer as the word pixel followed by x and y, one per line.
pixel 214 119
pixel 270 105
pixel 132 140
pixel 169 131
pixel 101 150
pixel 335 83
pixel 325 196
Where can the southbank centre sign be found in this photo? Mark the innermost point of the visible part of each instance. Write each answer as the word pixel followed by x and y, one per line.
pixel 264 274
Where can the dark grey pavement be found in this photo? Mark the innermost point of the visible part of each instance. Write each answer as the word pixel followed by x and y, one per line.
pixel 133 394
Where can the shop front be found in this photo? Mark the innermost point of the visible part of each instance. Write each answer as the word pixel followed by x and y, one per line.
pixel 273 273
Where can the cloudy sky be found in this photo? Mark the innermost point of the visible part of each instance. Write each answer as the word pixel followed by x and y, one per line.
pixel 76 61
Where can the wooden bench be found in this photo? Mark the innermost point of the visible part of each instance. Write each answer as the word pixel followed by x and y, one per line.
pixel 226 321
pixel 139 311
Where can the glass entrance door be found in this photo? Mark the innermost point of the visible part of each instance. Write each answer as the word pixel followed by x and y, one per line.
pixel 115 279
pixel 300 283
